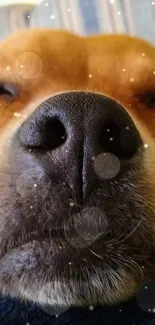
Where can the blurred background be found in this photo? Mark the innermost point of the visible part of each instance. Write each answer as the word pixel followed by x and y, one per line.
pixel 85 17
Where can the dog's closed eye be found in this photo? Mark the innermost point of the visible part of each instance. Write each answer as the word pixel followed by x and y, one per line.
pixel 149 99
pixel 8 91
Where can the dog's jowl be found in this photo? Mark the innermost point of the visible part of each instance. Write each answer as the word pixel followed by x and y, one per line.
pixel 77 157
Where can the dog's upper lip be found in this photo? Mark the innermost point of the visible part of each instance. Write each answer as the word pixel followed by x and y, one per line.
pixel 38 236
pixel 48 235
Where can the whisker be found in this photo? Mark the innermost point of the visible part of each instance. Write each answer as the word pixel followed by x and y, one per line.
pixel 131 233
pixel 134 263
pixel 45 209
pixel 98 255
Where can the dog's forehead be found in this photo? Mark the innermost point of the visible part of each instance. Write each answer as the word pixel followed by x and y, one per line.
pixel 45 42
pixel 66 61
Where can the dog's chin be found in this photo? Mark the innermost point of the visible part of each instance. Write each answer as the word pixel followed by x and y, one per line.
pixel 67 270
pixel 49 271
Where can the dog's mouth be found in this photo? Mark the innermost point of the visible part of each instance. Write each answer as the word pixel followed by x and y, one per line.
pixel 60 238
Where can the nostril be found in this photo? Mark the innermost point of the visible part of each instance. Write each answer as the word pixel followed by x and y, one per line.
pixel 123 141
pixel 48 134
pixel 53 134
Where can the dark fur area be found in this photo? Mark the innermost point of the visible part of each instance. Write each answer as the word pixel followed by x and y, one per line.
pixel 118 245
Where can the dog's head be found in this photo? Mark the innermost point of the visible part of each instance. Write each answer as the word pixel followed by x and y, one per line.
pixel 77 179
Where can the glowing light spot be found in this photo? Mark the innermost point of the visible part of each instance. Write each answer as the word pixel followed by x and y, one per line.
pixel 124 69
pixel 8 68
pixel 30 150
pixel 71 204
pixel 91 308
pixel 143 54
pixel 55 310
pixel 131 79
pixel 153 3
pixel 129 104
pixel 142 266
pixel 70 263
pixel 35 185
pixel 119 13
pixel 107 165
pixel 31 206
pixel 87 227
pixel 120 309
pixel 17 114
pixel 108 130
pixel 46 4
pixel 29 65
pixel 90 75
pixel 69 9
pixel 28 16
pixel 127 128
pixel 111 139
pixel 145 295
pixel 154 72
pixel 146 145
pixel 112 1
pixel 52 16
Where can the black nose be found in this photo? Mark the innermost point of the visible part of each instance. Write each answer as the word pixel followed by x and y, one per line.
pixel 87 136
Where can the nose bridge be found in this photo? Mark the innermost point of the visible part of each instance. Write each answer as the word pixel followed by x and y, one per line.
pixel 83 116
pixel 75 110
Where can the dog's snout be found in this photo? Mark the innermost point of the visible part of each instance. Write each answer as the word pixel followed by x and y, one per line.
pixel 76 128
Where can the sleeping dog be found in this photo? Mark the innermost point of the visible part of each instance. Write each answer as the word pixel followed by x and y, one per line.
pixel 77 157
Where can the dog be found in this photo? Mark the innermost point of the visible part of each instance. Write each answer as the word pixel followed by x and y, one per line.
pixel 77 178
